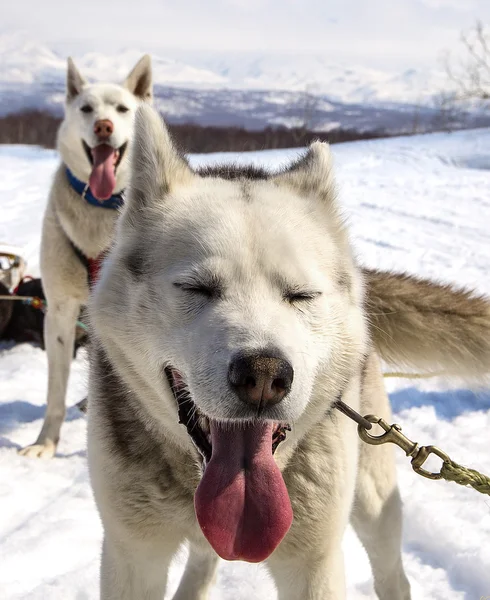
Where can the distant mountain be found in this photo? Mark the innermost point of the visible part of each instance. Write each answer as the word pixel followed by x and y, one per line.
pixel 249 90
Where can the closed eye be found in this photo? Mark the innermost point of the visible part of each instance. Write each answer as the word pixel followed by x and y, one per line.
pixel 293 296
pixel 199 289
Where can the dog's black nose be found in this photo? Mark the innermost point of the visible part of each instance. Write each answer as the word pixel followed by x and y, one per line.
pixel 260 378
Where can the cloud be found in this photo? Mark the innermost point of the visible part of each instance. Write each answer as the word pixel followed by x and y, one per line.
pixel 344 29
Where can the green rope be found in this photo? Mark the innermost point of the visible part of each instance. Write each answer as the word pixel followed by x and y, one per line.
pixel 451 471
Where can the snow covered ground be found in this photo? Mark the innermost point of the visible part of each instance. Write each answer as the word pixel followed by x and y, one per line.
pixel 421 204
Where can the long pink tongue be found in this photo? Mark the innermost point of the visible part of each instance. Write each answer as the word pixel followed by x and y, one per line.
pixel 103 177
pixel 242 503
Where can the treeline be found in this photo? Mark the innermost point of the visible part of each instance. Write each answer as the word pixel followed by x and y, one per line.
pixel 40 128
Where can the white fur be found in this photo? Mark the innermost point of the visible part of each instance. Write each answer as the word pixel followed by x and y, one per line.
pixel 258 237
pixel 69 218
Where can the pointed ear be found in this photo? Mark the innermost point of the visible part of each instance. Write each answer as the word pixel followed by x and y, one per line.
pixel 74 81
pixel 156 166
pixel 139 81
pixel 312 174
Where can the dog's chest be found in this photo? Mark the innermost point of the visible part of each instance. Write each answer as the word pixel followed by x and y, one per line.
pixel 89 228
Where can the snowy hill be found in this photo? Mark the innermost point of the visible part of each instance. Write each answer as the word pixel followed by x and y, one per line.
pixel 251 90
pixel 421 204
pixel 24 61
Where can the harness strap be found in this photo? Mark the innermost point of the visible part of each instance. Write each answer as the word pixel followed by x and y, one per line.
pixel 94 268
pixel 92 265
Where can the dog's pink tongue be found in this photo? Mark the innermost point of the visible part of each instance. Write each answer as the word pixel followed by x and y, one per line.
pixel 242 503
pixel 103 177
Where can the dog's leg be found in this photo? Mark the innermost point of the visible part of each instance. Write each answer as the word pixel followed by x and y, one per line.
pixel 377 521
pixel 377 515
pixel 59 334
pixel 320 478
pixel 134 573
pixel 199 575
pixel 311 577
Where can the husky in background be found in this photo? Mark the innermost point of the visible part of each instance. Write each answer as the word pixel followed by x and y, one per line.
pixel 231 315
pixel 93 142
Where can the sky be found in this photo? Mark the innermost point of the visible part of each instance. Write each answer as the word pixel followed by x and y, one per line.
pixel 374 32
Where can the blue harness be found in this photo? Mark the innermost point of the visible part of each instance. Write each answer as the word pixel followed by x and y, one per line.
pixel 113 203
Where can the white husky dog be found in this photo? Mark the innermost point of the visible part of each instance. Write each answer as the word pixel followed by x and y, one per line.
pixel 93 142
pixel 229 310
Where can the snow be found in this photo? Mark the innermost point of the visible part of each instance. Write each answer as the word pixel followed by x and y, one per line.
pixel 248 89
pixel 26 61
pixel 32 76
pixel 421 204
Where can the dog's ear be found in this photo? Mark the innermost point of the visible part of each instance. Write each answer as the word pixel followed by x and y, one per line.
pixel 156 166
pixel 312 174
pixel 74 81
pixel 139 82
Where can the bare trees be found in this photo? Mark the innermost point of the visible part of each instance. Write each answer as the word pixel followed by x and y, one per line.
pixel 447 113
pixel 470 74
pixel 40 129
pixel 307 107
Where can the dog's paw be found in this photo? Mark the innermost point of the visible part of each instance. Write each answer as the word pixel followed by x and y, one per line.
pixel 46 450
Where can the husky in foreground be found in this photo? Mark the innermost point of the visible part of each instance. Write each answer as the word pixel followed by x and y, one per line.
pixel 230 314
pixel 93 142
